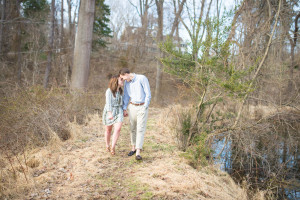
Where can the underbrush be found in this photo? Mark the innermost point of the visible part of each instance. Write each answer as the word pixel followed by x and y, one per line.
pixel 34 116
pixel 265 154
pixel 194 146
pixel 31 118
pixel 261 156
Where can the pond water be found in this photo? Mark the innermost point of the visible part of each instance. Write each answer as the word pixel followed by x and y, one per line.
pixel 287 159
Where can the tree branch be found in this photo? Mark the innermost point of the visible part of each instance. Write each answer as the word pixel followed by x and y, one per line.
pixel 259 67
pixel 135 7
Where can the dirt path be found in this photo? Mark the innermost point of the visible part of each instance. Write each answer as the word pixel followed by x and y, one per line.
pixel 81 169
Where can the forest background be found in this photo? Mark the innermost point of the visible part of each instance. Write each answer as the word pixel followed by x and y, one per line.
pixel 234 71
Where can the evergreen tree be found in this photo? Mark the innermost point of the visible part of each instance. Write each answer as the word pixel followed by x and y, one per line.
pixel 36 9
pixel 101 27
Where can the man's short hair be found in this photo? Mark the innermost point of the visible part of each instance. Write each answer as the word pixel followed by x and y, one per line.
pixel 124 71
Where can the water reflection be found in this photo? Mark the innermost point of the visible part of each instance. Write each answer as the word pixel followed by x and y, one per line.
pixel 275 165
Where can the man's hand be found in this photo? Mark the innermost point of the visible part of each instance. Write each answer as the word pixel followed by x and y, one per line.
pixel 125 113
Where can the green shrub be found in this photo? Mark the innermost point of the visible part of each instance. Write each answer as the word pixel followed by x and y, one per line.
pixel 195 148
pixel 182 130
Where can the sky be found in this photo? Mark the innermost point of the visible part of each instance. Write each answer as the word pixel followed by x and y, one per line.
pixel 122 12
pixel 126 6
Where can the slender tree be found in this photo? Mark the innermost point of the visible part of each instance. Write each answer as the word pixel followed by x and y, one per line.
pixel 177 16
pixel 83 45
pixel 70 17
pixel 62 24
pixel 3 6
pixel 143 11
pixel 293 43
pixel 18 42
pixel 50 46
pixel 197 25
pixel 160 37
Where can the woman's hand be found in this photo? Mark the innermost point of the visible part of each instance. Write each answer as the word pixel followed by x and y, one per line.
pixel 110 115
pixel 125 113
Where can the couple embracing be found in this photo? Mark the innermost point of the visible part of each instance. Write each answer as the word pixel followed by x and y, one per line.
pixel 133 102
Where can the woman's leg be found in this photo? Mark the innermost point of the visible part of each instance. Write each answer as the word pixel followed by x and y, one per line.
pixel 117 129
pixel 107 135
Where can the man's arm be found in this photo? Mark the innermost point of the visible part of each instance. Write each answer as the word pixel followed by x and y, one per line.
pixel 146 86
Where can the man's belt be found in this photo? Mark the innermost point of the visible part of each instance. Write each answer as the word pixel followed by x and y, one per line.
pixel 137 104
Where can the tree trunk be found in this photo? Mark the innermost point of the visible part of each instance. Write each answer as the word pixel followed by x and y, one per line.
pixel 144 19
pixel 70 26
pixel 177 15
pixel 19 55
pixel 218 20
pixel 2 24
pixel 293 42
pixel 291 70
pixel 51 41
pixel 175 26
pixel 234 21
pixel 194 31
pixel 160 13
pixel 62 26
pixel 73 23
pixel 18 43
pixel 83 45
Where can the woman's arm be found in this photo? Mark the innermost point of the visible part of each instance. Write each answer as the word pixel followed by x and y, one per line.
pixel 108 102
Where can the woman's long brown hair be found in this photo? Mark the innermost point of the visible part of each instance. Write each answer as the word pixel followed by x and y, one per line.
pixel 113 85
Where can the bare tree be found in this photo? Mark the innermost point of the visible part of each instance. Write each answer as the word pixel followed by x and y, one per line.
pixel 18 42
pixel 71 22
pixel 83 45
pixel 160 37
pixel 143 11
pixel 70 17
pixel 259 66
pixel 160 14
pixel 196 21
pixel 62 24
pixel 177 16
pixel 234 21
pixel 2 23
pixel 50 46
pixel 293 43
pixel 123 16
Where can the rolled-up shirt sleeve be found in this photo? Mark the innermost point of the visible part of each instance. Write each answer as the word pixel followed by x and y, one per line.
pixel 146 86
pixel 125 97
pixel 108 96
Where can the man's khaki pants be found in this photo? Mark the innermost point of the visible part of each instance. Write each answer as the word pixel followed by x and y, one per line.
pixel 138 116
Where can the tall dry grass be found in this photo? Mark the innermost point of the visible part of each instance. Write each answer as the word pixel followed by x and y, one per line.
pixel 34 117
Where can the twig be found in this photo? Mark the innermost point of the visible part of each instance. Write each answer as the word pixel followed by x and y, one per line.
pixel 23 169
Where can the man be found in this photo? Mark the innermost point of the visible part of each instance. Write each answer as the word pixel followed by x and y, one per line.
pixel 136 100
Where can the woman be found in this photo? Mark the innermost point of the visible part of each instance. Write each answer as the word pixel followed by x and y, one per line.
pixel 113 112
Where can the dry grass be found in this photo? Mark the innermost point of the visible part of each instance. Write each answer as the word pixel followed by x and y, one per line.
pixel 80 168
pixel 35 120
pixel 34 116
pixel 172 177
